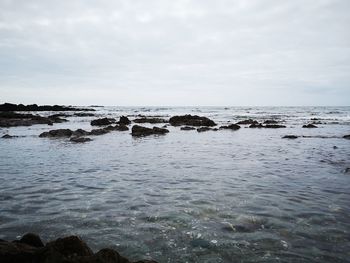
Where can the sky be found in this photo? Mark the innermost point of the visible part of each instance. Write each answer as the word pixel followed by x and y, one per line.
pixel 175 53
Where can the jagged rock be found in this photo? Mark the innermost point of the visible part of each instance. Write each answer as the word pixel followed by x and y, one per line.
pixel 246 122
pixel 123 120
pixel 231 127
pixel 144 131
pixel 35 107
pixel 150 120
pixel 57 133
pixel 191 120
pixel 309 126
pixel 80 139
pixel 347 136
pixel 102 122
pixel 290 137
pixel 274 126
pixel 256 125
pixel 187 128
pixel 31 240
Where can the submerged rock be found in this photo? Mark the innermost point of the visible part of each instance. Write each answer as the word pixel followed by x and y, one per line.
pixel 246 122
pixel 57 133
pixel 150 120
pixel 310 125
pixel 187 128
pixel 274 126
pixel 191 120
pixel 256 125
pixel 270 122
pixel 102 122
pixel 71 249
pixel 80 139
pixel 204 129
pixel 231 127
pixel 124 120
pixel 83 114
pixel 347 136
pixel 138 130
pixel 290 137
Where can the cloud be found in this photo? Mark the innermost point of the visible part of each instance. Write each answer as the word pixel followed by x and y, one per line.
pixel 186 52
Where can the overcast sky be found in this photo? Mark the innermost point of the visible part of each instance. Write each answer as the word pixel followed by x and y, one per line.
pixel 175 52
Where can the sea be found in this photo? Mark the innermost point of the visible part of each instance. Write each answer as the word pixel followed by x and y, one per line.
pixel 247 195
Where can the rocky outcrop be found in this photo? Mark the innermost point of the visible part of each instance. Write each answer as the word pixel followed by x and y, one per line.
pixel 310 125
pixel 138 130
pixel 12 119
pixel 247 122
pixel 150 120
pixel 102 122
pixel 187 128
pixel 204 129
pixel 123 120
pixel 290 137
pixel 231 127
pixel 57 133
pixel 7 136
pixel 35 107
pixel 191 120
pixel 80 139
pixel 71 249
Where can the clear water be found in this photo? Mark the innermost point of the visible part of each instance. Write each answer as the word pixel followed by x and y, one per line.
pixel 225 196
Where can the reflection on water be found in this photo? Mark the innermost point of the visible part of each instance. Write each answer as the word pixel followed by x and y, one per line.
pixel 226 196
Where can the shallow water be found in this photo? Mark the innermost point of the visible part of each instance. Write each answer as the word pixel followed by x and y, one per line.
pixel 225 196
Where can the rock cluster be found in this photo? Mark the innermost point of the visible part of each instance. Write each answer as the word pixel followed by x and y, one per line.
pixel 35 107
pixel 71 249
pixel 150 120
pixel 138 130
pixel 12 119
pixel 191 120
pixel 231 127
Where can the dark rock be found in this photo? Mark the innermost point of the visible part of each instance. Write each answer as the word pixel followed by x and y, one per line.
pixel 124 120
pixel 31 240
pixel 98 131
pixel 191 120
pixel 290 137
pixel 80 139
pixel 80 132
pixel 150 120
pixel 121 127
pixel 16 252
pixel 12 119
pixel 7 136
pixel 57 133
pixel 58 115
pixel 246 122
pixel 144 131
pixel 187 128
pixel 270 122
pixel 35 107
pixel 347 136
pixel 102 122
pixel 71 246
pixel 274 126
pixel 256 125
pixel 231 127
pixel 204 129
pixel 83 114
pixel 109 256
pixel 309 126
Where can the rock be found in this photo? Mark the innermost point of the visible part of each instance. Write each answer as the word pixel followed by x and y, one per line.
pixel 7 136
pixel 245 122
pixel 124 120
pixel 102 122
pixel 80 132
pixel 57 133
pixel 63 250
pixel 204 129
pixel 290 137
pixel 98 131
pixel 256 125
pixel 347 136
pixel 35 107
pixel 187 128
pixel 150 120
pixel 270 122
pixel 31 240
pixel 274 126
pixel 83 114
pixel 58 115
pixel 191 120
pixel 80 139
pixel 144 131
pixel 121 127
pixel 231 127
pixel 310 125
pixel 12 119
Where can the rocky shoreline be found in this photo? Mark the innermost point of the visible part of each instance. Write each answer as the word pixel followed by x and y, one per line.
pixel 72 249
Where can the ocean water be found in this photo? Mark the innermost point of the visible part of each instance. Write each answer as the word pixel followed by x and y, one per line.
pixel 224 196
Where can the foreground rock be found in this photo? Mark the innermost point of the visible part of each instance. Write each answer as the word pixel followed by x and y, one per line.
pixel 12 119
pixel 71 249
pixel 35 107
pixel 102 122
pixel 231 127
pixel 150 120
pixel 191 120
pixel 138 130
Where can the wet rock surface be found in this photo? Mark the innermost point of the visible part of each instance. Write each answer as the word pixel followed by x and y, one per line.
pixel 71 249
pixel 150 120
pixel 102 122
pixel 13 119
pixel 310 125
pixel 231 127
pixel 35 107
pixel 80 139
pixel 57 133
pixel 124 120
pixel 138 130
pixel 191 120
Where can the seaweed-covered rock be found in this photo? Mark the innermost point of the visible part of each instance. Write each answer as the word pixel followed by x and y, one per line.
pixel 191 120
pixel 138 130
pixel 231 127
pixel 310 125
pixel 57 133
pixel 102 122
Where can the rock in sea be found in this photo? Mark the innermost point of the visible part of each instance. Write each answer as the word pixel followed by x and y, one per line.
pixel 138 130
pixel 191 120
pixel 231 127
